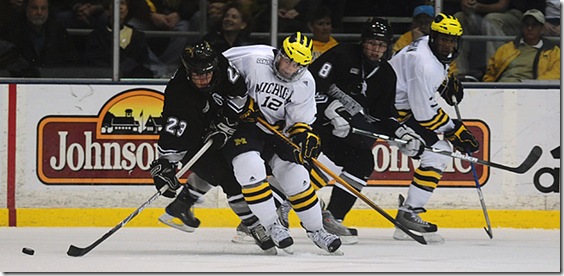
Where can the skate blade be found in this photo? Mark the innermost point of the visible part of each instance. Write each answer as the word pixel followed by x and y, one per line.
pixel 243 238
pixel 430 238
pixel 349 239
pixel 175 223
pixel 271 251
pixel 337 252
pixel 288 250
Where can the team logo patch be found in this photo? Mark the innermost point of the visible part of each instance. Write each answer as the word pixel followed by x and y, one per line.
pixel 263 61
pixel 354 71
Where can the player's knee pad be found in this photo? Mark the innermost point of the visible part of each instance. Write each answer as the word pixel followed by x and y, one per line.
pixel 430 159
pixel 304 200
pixel 249 168
pixel 257 193
pixel 293 178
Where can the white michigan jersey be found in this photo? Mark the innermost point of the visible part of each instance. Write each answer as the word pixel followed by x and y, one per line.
pixel 420 74
pixel 278 100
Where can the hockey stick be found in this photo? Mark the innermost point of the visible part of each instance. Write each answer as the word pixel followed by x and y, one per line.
pixel 478 188
pixel 420 239
pixel 529 162
pixel 75 251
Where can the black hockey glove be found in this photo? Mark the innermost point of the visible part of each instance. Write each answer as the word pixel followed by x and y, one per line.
pixel 341 126
pixel 220 131
pixel 462 139
pixel 309 143
pixel 251 113
pixel 164 173
pixel 451 87
pixel 415 145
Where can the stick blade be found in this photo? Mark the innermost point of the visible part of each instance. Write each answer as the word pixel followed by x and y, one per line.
pixel 76 251
pixel 530 161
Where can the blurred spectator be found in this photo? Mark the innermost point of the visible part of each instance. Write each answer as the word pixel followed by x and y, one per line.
pixel 552 25
pixel 235 28
pixel 42 41
pixel 11 63
pixel 476 17
pixel 82 14
pixel 260 13
pixel 528 57
pixel 507 23
pixel 421 25
pixel 293 14
pixel 320 26
pixel 337 8
pixel 165 15
pixel 9 9
pixel 134 52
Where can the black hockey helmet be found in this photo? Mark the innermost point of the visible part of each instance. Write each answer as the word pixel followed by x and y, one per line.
pixel 377 28
pixel 199 59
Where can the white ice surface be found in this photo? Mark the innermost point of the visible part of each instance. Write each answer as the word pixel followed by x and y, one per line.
pixel 211 250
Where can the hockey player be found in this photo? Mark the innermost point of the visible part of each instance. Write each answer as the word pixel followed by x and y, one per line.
pixel 202 101
pixel 283 92
pixel 422 67
pixel 356 87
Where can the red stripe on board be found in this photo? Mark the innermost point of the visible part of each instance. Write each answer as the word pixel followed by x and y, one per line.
pixel 11 193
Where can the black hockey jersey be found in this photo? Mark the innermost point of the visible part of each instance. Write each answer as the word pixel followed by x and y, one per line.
pixel 373 88
pixel 188 112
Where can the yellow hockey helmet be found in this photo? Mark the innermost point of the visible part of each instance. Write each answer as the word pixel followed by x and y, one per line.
pixel 298 48
pixel 446 24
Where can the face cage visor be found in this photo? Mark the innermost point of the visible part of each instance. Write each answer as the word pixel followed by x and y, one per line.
pixel 295 76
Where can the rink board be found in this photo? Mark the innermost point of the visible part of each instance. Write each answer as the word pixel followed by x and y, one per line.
pixel 72 161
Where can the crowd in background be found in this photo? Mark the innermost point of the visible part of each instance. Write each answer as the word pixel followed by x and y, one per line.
pixel 35 39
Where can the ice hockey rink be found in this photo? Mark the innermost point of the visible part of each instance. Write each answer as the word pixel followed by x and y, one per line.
pixel 142 249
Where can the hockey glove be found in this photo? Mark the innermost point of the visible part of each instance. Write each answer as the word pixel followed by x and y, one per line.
pixel 220 131
pixel 309 143
pixel 415 145
pixel 164 173
pixel 451 87
pixel 341 127
pixel 462 139
pixel 251 113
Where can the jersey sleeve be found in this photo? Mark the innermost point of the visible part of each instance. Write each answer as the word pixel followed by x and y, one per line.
pixel 421 90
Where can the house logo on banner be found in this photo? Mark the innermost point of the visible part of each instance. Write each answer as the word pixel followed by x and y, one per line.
pixel 395 169
pixel 115 147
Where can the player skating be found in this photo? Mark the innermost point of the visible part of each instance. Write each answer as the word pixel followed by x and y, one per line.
pixel 421 68
pixel 283 91
pixel 356 87
pixel 203 100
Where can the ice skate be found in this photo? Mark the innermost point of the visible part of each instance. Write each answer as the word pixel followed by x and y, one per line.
pixel 178 215
pixel 325 240
pixel 264 241
pixel 243 235
pixel 334 226
pixel 280 236
pixel 409 217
